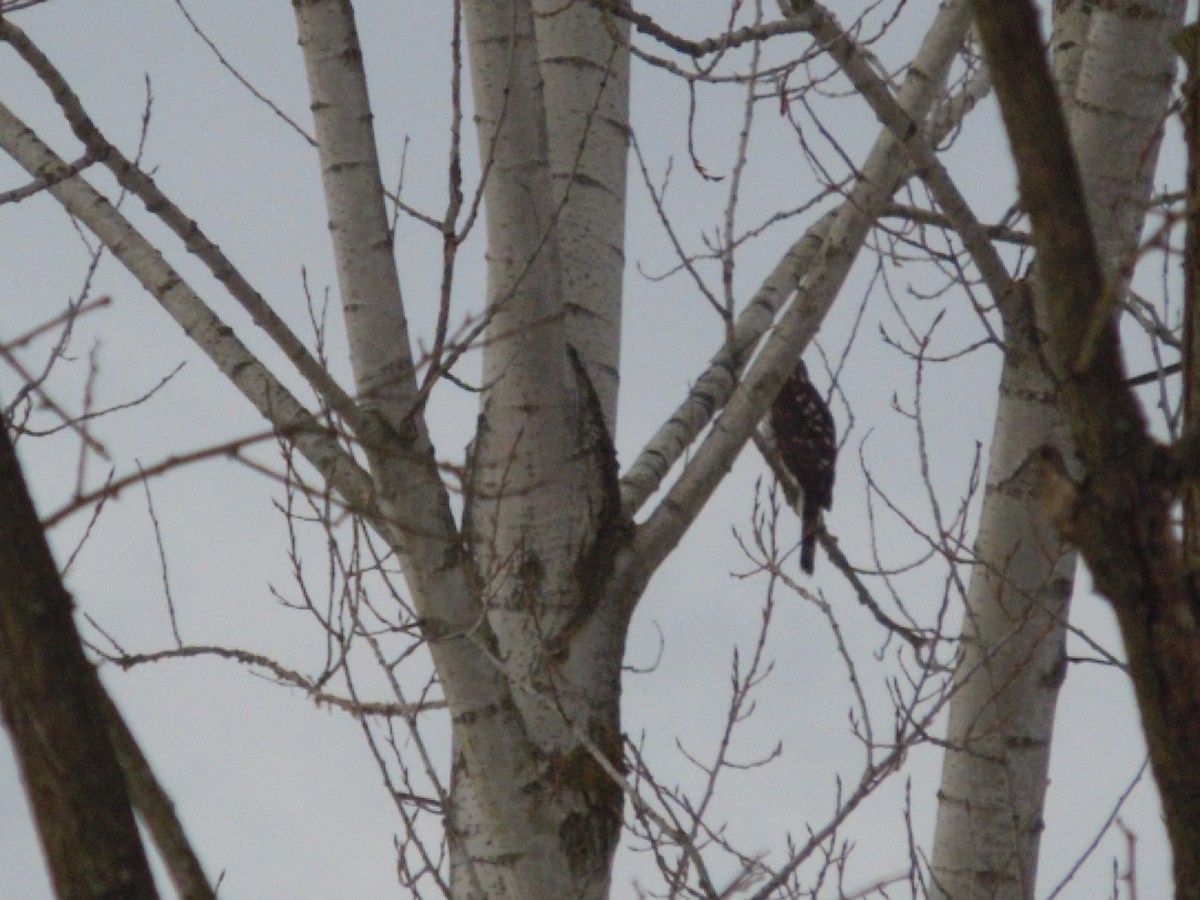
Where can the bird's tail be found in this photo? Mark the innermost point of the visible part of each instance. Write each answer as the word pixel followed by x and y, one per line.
pixel 808 541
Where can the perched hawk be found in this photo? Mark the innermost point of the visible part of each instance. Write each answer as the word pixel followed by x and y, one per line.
pixel 807 442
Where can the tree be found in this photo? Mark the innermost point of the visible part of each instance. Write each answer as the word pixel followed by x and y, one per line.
pixel 1113 71
pixel 1121 515
pixel 501 585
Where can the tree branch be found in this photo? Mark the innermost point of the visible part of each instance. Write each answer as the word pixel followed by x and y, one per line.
pixel 882 171
pixel 845 229
pixel 214 337
pixel 133 179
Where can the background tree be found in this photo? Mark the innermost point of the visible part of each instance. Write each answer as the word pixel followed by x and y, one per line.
pixel 501 584
pixel 52 707
pixel 1113 71
pixel 1122 514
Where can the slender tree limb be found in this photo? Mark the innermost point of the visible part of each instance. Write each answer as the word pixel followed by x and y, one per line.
pixel 241 79
pixel 355 706
pixel 213 336
pixel 133 179
pixel 35 187
pixel 817 291
pixel 646 25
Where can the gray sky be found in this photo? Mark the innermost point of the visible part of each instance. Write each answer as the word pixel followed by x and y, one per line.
pixel 285 799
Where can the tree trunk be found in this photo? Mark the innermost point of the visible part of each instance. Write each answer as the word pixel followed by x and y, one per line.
pixel 1113 75
pixel 1189 47
pixel 505 830
pixel 585 88
pixel 1012 661
pixel 543 504
pixel 51 701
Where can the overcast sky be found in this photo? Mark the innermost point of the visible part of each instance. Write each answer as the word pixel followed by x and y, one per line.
pixel 285 799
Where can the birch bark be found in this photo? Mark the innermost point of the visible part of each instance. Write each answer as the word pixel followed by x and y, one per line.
pixel 552 111
pixel 585 79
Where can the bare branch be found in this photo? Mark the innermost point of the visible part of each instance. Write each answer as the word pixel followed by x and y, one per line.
pixel 818 289
pixel 186 229
pixel 213 336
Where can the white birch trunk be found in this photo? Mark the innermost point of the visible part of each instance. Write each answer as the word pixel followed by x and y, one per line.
pixel 542 499
pixel 517 823
pixel 1114 68
pixel 586 90
pixel 1012 661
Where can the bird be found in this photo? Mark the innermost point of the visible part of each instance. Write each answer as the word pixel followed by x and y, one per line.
pixel 806 438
